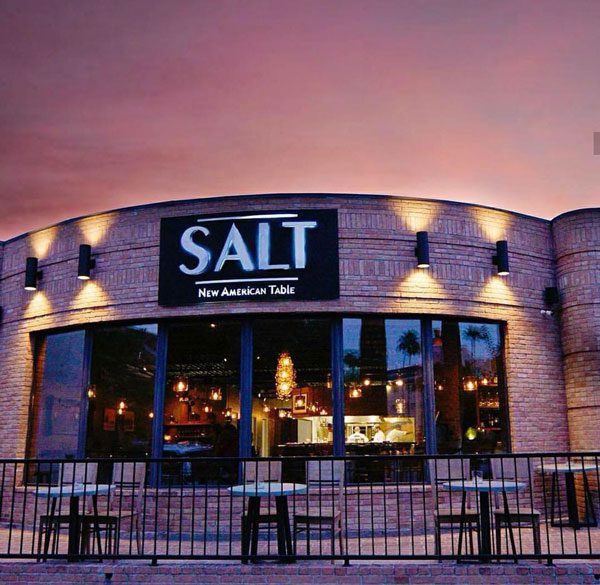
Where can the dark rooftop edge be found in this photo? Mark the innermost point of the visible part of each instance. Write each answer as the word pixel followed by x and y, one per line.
pixel 316 195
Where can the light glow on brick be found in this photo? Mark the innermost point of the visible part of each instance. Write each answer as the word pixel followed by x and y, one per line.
pixel 418 218
pixel 91 295
pixel 38 306
pixel 41 242
pixel 94 229
pixel 497 290
pixel 419 283
pixel 494 224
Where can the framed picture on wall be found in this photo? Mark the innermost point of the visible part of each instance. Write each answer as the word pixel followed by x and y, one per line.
pixel 299 404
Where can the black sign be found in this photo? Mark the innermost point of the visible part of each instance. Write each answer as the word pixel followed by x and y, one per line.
pixel 249 257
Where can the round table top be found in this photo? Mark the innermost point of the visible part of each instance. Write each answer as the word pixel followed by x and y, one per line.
pixel 186 449
pixel 274 488
pixel 74 490
pixel 574 467
pixel 484 485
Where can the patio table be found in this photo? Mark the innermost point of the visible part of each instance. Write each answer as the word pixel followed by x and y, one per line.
pixel 280 491
pixel 569 470
pixel 74 492
pixel 485 487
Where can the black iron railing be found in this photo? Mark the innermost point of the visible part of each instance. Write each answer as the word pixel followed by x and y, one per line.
pixel 540 506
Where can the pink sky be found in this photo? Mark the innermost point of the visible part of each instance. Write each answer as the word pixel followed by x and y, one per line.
pixel 106 104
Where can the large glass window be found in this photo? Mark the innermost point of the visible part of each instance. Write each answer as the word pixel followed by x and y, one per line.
pixel 291 396
pixel 202 398
pixel 292 403
pixel 57 397
pixel 469 391
pixel 383 389
pixel 121 391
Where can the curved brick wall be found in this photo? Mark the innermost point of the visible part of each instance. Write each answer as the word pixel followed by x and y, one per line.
pixel 577 241
pixel 377 275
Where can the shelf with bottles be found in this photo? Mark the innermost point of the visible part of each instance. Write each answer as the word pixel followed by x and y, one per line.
pixel 489 398
pixel 490 421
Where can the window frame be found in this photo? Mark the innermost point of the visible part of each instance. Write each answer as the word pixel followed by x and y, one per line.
pixel 246 372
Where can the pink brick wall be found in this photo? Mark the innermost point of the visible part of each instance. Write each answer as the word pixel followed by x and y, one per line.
pixel 377 274
pixel 577 236
pixel 301 574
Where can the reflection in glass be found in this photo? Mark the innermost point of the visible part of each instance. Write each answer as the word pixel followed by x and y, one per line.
pixel 383 391
pixel 291 397
pixel 57 395
pixel 121 393
pixel 202 399
pixel 469 394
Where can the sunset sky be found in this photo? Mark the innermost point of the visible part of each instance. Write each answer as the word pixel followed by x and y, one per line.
pixel 106 104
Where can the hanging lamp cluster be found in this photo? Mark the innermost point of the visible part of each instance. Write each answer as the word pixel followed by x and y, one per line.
pixel 285 376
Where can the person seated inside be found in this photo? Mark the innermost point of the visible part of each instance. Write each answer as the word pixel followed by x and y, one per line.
pixel 378 434
pixel 357 436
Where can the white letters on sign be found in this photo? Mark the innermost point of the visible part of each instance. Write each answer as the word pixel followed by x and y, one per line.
pixel 201 254
pixel 235 248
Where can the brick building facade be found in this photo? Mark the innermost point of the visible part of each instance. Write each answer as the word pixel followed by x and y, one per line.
pixel 552 361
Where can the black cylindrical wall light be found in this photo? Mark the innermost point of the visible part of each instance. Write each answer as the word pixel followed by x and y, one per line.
pixel 32 274
pixel 422 250
pixel 501 257
pixel 86 262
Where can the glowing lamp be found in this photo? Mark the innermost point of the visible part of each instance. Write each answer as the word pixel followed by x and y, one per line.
pixel 285 376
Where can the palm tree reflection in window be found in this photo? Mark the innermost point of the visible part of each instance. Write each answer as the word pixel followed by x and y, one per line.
pixel 409 346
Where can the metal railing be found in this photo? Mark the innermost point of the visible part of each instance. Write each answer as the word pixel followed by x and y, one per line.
pixel 541 506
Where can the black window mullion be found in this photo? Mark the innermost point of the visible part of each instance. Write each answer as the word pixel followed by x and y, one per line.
pixel 337 382
pixel 428 385
pixel 246 365
pixel 86 376
pixel 503 389
pixel 160 381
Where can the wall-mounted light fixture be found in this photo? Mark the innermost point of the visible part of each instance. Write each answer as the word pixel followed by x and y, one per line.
pixel 32 274
pixel 422 250
pixel 551 296
pixel 86 262
pixel 501 258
